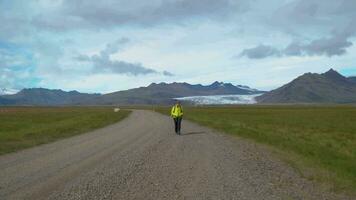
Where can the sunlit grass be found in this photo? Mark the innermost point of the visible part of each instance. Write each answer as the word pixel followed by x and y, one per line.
pixel 25 127
pixel 320 137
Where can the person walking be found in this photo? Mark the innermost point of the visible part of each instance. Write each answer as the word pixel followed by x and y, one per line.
pixel 177 115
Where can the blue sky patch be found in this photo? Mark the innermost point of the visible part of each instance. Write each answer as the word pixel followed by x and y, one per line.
pixel 349 71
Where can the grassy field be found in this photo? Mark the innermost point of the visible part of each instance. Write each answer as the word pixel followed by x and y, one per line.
pixel 321 138
pixel 23 127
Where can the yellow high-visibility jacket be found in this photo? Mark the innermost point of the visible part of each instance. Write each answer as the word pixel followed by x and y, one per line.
pixel 177 111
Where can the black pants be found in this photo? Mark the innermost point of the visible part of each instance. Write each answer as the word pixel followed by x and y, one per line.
pixel 177 124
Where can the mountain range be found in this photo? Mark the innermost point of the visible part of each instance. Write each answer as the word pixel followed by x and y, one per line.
pixel 352 79
pixel 328 87
pixel 45 97
pixel 162 93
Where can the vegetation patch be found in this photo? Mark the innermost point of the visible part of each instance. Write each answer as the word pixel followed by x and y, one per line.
pixel 323 138
pixel 23 127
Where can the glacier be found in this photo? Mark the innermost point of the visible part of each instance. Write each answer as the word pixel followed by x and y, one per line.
pixel 221 99
pixel 7 91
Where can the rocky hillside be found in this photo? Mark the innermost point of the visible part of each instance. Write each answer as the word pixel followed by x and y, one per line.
pixel 328 87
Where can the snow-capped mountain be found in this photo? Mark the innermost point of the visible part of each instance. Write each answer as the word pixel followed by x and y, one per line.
pixel 155 93
pixel 6 91
pixel 221 99
pixel 244 87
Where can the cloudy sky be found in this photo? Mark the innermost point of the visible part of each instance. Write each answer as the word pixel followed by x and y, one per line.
pixel 110 45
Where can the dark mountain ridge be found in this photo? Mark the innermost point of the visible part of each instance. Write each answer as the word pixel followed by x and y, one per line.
pixel 164 93
pixel 352 79
pixel 161 93
pixel 328 87
pixel 44 97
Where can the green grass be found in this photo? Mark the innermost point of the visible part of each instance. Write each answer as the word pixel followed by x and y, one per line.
pixel 23 127
pixel 316 137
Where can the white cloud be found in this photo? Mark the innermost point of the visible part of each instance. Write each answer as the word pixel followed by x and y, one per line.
pixel 195 40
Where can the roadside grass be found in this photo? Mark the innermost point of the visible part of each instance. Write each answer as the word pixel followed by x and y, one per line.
pixel 316 138
pixel 23 127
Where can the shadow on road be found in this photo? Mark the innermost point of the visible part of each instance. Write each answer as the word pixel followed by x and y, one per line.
pixel 193 133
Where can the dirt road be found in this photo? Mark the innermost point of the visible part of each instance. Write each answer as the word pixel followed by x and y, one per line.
pixel 141 158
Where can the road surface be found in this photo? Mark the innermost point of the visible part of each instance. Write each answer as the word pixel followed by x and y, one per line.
pixel 141 158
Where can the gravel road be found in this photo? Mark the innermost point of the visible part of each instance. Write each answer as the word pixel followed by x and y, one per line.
pixel 141 158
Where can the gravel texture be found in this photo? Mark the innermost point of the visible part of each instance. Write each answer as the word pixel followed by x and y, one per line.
pixel 141 158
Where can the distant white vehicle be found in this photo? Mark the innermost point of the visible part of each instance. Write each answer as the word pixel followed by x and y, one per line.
pixel 116 109
pixel 221 99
